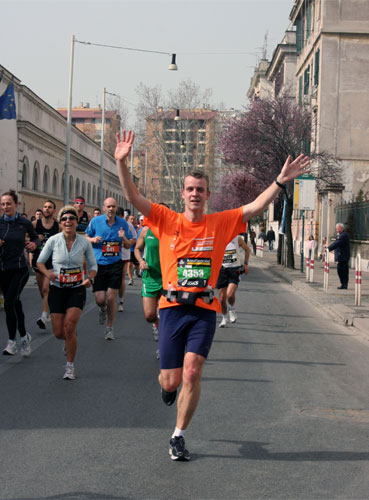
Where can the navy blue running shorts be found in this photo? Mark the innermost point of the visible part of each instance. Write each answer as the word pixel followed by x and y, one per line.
pixel 184 329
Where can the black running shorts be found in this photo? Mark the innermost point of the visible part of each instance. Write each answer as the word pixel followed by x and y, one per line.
pixel 61 299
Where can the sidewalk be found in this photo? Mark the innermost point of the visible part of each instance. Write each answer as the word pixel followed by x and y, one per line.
pixel 340 304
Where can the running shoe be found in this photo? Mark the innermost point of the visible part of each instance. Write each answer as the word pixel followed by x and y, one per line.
pixel 155 331
pixel 102 315
pixel 41 323
pixel 69 373
pixel 223 323
pixel 168 397
pixel 177 449
pixel 120 307
pixel 26 345
pixel 232 316
pixel 11 348
pixel 109 333
pixel 130 282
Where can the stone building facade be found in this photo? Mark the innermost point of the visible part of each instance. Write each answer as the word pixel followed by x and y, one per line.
pixel 32 155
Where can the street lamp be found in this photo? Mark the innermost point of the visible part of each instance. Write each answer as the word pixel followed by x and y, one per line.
pixel 172 67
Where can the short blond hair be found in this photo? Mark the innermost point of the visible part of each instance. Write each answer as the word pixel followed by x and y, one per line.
pixel 68 209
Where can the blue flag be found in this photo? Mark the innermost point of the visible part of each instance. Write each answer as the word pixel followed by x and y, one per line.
pixel 7 104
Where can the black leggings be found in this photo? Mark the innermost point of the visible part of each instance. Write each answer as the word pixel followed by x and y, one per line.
pixel 12 283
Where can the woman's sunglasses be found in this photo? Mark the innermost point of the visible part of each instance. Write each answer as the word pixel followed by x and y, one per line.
pixel 68 217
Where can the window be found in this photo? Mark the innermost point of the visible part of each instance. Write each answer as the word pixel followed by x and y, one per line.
pixel 62 185
pixel 308 20
pixel 306 80
pixel 55 183
pixel 25 173
pixel 78 188
pixel 88 193
pixel 94 195
pixel 45 180
pixel 316 67
pixel 83 189
pixel 278 83
pixel 35 179
pixel 299 34
pixel 300 90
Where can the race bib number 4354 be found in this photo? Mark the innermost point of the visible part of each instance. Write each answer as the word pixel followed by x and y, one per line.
pixel 193 272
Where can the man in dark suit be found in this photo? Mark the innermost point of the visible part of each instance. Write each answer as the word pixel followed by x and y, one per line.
pixel 341 249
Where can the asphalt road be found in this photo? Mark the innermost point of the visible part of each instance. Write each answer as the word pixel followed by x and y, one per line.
pixel 283 414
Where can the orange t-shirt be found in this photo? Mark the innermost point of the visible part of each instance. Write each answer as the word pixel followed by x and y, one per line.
pixel 191 253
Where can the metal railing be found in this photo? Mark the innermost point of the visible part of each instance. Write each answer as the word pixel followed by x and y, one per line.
pixel 355 216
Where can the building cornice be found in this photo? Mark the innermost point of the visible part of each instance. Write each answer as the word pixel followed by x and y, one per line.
pixel 279 55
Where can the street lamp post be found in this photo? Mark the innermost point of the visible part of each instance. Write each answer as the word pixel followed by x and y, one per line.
pixel 101 198
pixel 172 67
pixel 69 124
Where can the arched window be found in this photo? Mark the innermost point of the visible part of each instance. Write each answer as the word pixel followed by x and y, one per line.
pixel 84 189
pixel 25 171
pixel 45 180
pixel 78 185
pixel 94 195
pixel 71 190
pixel 36 176
pixel 89 193
pixel 55 182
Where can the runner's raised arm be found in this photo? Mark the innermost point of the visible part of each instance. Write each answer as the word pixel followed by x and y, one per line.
pixel 130 190
pixel 291 170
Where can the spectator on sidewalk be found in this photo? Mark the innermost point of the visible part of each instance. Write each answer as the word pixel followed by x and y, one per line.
pixel 270 236
pixel 341 249
pixel 311 246
pixel 253 241
pixel 262 235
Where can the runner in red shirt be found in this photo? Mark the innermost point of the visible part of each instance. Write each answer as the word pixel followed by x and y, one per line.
pixel 192 247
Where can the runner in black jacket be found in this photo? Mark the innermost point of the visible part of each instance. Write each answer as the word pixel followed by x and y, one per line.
pixel 14 272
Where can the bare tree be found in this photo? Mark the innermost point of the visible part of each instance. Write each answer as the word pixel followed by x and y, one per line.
pixel 172 126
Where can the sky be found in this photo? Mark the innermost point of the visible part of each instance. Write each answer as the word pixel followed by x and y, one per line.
pixel 218 44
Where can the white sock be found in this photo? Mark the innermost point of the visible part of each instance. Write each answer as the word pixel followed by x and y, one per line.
pixel 224 316
pixel 178 432
pixel 70 365
pixel 230 308
pixel 44 315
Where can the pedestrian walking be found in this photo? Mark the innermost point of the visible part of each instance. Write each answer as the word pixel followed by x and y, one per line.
pixel 270 237
pixel 341 249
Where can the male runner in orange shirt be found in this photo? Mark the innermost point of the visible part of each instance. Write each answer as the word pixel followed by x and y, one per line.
pixel 192 247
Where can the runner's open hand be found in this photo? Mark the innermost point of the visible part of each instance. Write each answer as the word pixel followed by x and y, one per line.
pixel 123 147
pixel 292 169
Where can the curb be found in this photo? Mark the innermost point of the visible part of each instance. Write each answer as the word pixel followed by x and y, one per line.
pixel 345 315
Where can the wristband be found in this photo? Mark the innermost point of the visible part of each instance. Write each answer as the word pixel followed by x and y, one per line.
pixel 282 186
